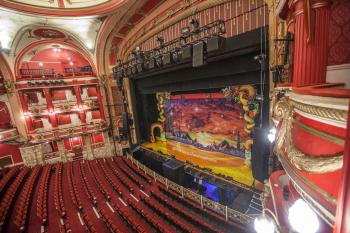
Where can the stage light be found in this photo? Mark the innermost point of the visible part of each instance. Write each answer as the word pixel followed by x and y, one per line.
pixel 41 64
pixel 195 24
pixel 69 58
pixel 271 137
pixel 264 225
pixel 302 218
pixel 59 50
pixel 160 39
pixel 185 31
pixel 71 63
pixel 55 50
pixel 273 130
pixel 272 134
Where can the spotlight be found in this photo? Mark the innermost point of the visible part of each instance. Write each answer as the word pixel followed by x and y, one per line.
pixel 71 63
pixel 302 218
pixel 160 39
pixel 273 130
pixel 41 64
pixel 195 24
pixel 272 134
pixel 185 31
pixel 55 50
pixel 271 137
pixel 264 225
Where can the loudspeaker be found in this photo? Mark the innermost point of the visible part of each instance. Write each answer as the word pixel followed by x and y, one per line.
pixel 186 52
pixel 215 43
pixel 174 171
pixel 198 54
pixel 260 154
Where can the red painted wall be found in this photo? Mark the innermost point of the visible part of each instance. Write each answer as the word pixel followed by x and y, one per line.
pixel 91 91
pixel 59 95
pixel 56 60
pixel 13 150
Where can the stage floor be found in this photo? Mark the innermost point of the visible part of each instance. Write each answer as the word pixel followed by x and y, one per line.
pixel 219 163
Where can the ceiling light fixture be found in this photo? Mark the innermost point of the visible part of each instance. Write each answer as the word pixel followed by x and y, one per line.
pixel 302 218
pixel 264 225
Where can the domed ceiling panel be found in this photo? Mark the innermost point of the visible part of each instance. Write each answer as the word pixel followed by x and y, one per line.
pixel 63 7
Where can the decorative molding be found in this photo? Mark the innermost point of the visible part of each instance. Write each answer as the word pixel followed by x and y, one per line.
pixel 299 159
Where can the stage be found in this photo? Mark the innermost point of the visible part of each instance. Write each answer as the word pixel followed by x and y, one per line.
pixel 219 163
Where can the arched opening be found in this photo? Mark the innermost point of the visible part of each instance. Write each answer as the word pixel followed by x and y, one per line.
pixel 54 62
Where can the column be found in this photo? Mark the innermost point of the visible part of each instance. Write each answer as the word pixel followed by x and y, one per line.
pixel 108 145
pixel 62 151
pixel 50 107
pixel 100 102
pixel 89 152
pixel 312 19
pixel 27 117
pixel 80 103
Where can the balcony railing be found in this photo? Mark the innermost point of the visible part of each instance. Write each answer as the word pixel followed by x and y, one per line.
pixel 228 213
pixel 33 74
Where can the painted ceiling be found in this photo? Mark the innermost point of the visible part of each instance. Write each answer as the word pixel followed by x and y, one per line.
pixel 63 7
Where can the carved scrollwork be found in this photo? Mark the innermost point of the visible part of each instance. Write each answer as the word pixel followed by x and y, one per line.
pixel 304 162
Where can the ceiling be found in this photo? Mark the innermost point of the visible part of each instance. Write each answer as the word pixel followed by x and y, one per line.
pixel 63 7
pixel 85 29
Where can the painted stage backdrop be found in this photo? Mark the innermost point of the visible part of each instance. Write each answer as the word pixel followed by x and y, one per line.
pixel 210 130
pixel 220 122
pixel 207 121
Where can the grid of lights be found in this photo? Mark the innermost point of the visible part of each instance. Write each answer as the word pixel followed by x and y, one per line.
pixel 170 52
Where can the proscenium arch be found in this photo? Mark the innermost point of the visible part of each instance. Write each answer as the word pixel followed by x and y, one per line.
pixel 5 68
pixel 33 45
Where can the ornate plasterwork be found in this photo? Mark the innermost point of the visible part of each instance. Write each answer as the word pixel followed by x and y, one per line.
pixel 330 113
pixel 284 144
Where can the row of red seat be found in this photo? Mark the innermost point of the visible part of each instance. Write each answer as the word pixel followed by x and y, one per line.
pixel 184 214
pixel 129 174
pixel 58 196
pixel 115 185
pixel 73 188
pixel 150 217
pixel 203 212
pixel 120 177
pixel 7 178
pixel 42 203
pixel 136 170
pixel 88 190
pixel 169 215
pixel 100 184
pixel 22 205
pixel 89 226
pixel 128 217
pixel 10 195
pixel 109 222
